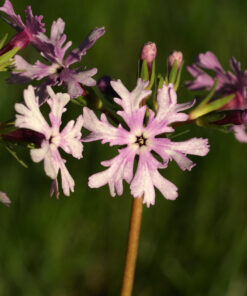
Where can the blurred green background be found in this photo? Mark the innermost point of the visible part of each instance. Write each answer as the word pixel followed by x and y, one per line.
pixel 196 245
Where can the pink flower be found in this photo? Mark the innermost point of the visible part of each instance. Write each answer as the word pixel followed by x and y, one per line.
pixel 229 82
pixel 69 139
pixel 28 32
pixel 59 71
pixel 4 199
pixel 142 141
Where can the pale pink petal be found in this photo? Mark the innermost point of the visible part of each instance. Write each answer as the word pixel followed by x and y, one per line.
pixel 54 188
pixel 67 181
pixel 24 70
pixel 194 146
pixel 53 48
pixel 30 116
pixel 39 154
pixel 169 150
pixel 71 138
pixel 57 104
pixel 183 161
pixel 167 110
pixel 51 157
pixel 120 168
pixel 156 127
pixel 4 199
pixel 240 133
pixel 142 184
pixel 135 119
pixel 147 178
pixel 130 101
pixel 167 188
pixel 102 129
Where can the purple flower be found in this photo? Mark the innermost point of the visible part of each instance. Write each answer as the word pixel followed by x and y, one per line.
pixel 143 141
pixel 69 139
pixel 53 49
pixel 27 33
pixel 228 83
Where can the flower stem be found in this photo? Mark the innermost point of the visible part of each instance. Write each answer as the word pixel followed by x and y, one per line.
pixel 132 247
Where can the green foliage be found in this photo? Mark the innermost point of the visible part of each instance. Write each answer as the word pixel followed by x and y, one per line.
pixel 3 40
pixel 6 59
pixel 206 106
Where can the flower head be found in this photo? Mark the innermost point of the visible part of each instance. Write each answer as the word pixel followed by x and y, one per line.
pixel 228 82
pixel 142 142
pixel 28 32
pixel 69 139
pixel 53 49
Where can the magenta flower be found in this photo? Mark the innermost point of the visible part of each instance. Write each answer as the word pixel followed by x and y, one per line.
pixel 58 72
pixel 142 141
pixel 228 83
pixel 27 33
pixel 69 139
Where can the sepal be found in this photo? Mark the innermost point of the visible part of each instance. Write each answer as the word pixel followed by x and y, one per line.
pixel 6 59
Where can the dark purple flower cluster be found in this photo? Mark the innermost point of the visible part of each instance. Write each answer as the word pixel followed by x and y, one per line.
pixel 53 49
pixel 228 82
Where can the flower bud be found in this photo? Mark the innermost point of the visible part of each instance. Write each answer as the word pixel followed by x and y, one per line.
pixel 148 53
pixel 175 56
pixel 236 117
pixel 236 103
pixel 24 135
pixel 105 87
pixel 21 40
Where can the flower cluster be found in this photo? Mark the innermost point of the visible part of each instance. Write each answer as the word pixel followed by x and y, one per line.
pixel 140 137
pixel 228 82
pixel 59 71
pixel 52 50
pixel 139 122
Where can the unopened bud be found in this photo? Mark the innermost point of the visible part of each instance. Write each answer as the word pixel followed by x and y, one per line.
pixel 148 53
pixel 25 136
pixel 175 56
pixel 105 87
pixel 236 117
pixel 236 103
pixel 21 40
